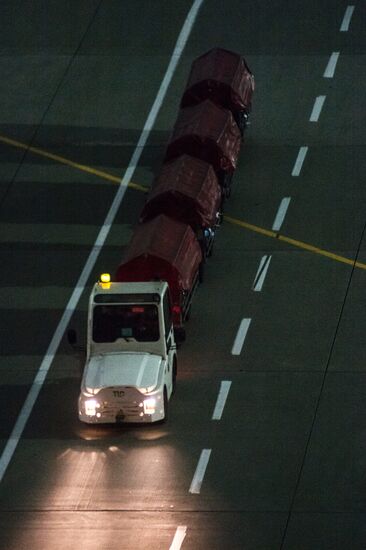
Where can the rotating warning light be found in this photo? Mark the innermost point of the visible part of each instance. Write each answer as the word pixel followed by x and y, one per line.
pixel 105 278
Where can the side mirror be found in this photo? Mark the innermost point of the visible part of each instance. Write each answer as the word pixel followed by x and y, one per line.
pixel 72 337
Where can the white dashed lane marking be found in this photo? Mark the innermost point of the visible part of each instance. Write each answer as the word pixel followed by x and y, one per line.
pixel 347 18
pixel 281 214
pixel 261 273
pixel 199 474
pixel 318 105
pixel 240 336
pixel 330 68
pixel 221 399
pixel 299 161
pixel 179 537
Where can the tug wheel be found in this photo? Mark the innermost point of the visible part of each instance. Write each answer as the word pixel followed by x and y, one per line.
pixel 166 406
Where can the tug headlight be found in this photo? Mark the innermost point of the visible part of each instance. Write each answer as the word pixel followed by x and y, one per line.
pixel 91 406
pixel 149 405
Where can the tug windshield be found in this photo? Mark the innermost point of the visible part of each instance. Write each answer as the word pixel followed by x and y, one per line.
pixel 127 322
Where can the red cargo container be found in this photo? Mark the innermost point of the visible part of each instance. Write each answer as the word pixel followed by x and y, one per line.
pixel 167 250
pixel 225 78
pixel 209 133
pixel 187 190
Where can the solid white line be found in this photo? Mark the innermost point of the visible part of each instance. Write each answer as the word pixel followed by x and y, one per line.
pixel 179 537
pixel 199 474
pixel 330 68
pixel 281 213
pixel 221 399
pixel 103 233
pixel 240 336
pixel 347 18
pixel 299 161
pixel 261 273
pixel 318 105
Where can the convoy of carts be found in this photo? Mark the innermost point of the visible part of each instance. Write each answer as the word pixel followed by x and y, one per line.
pixel 183 210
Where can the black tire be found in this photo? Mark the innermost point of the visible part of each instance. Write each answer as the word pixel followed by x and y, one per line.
pixel 241 126
pixel 166 406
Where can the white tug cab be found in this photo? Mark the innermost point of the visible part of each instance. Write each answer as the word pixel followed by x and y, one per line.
pixel 131 363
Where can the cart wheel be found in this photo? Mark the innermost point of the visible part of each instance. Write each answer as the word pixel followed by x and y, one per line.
pixel 242 125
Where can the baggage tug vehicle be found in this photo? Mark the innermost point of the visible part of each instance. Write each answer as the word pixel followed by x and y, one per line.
pixel 131 362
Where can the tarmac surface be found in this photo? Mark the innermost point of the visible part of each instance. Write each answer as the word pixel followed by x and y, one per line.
pixel 286 461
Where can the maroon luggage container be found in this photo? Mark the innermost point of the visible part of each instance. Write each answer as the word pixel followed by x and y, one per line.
pixel 166 250
pixel 187 190
pixel 209 133
pixel 225 78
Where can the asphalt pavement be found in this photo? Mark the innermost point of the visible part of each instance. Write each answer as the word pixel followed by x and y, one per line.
pixel 265 446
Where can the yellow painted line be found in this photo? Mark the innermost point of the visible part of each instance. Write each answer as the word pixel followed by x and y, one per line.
pixel 63 160
pixel 294 242
pixel 138 187
pixel 251 227
pixel 320 251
